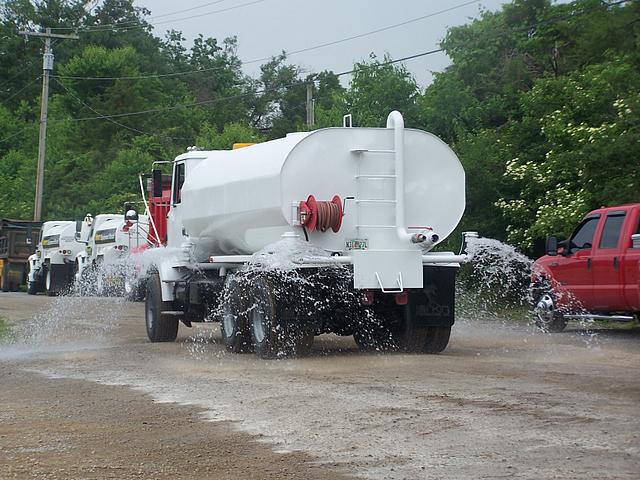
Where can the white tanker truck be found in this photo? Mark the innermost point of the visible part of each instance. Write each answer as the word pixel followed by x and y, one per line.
pixel 51 268
pixel 102 266
pixel 349 215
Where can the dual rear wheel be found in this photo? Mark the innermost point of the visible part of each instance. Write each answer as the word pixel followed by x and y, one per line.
pixel 397 331
pixel 254 318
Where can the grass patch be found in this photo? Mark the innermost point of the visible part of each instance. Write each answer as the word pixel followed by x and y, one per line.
pixel 5 330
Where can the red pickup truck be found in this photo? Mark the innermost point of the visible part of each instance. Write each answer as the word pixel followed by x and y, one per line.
pixel 595 274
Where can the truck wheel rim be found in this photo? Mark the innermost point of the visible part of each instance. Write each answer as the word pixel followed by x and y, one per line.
pixel 47 280
pixel 257 319
pixel 545 309
pixel 228 320
pixel 150 316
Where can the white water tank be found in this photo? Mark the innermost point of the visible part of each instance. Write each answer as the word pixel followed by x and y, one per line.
pixel 238 201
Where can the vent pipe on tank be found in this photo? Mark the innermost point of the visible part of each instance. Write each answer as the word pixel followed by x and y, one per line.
pixel 395 121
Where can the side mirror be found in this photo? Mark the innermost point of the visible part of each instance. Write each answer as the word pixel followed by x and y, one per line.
pixel 157 182
pixel 551 246
pixel 131 215
pixel 78 228
pixel 77 236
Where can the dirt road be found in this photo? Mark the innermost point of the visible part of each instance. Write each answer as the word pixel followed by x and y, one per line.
pixel 84 395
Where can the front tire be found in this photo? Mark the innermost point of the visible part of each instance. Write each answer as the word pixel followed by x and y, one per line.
pixel 48 284
pixel 160 328
pixel 546 315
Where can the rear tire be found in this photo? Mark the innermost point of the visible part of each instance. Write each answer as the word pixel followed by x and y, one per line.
pixel 160 328
pixel 267 333
pixel 437 339
pixel 234 325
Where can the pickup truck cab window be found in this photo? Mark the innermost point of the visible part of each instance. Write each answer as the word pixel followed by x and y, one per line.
pixel 583 236
pixel 611 231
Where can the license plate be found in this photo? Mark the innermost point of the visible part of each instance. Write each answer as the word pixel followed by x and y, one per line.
pixel 357 244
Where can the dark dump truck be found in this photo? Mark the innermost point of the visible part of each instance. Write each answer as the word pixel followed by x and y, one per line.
pixel 18 240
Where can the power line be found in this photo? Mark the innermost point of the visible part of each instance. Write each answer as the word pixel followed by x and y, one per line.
pixel 246 94
pixel 294 52
pixel 28 127
pixel 9 80
pixel 132 22
pixel 23 88
pixel 106 117
pixel 137 26
pixel 294 84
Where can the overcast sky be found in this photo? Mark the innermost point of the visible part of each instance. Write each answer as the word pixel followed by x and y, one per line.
pixel 266 27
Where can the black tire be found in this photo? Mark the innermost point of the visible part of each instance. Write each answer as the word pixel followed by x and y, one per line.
pixel 437 339
pixel 234 325
pixel 374 336
pixel 160 328
pixel 274 331
pixel 48 283
pixel 32 288
pixel 395 330
pixel 267 333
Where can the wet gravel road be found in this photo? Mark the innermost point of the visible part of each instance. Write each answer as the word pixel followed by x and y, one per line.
pixel 84 395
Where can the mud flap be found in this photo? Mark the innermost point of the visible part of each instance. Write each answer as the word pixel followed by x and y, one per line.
pixel 434 304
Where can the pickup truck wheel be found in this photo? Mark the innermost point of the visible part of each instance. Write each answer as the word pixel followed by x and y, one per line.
pixel 160 328
pixel 234 326
pixel 547 317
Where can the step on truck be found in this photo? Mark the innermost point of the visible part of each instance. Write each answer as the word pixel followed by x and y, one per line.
pixel 51 268
pixel 18 240
pixel 594 274
pixel 348 215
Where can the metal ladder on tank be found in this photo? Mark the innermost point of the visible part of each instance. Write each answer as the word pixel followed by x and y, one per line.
pixel 361 154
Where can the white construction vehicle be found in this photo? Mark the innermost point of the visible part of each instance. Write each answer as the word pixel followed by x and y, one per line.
pixel 347 216
pixel 102 266
pixel 51 268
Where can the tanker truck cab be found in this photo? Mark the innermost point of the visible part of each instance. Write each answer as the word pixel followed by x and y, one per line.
pixel 176 234
pixel 595 274
pixel 37 261
pixel 348 216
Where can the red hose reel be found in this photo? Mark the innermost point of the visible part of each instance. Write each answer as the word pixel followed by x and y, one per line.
pixel 321 215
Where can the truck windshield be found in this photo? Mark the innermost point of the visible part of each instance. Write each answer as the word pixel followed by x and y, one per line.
pixel 583 236
pixel 611 231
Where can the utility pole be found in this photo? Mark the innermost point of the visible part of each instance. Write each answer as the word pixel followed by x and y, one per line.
pixel 310 105
pixel 47 66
